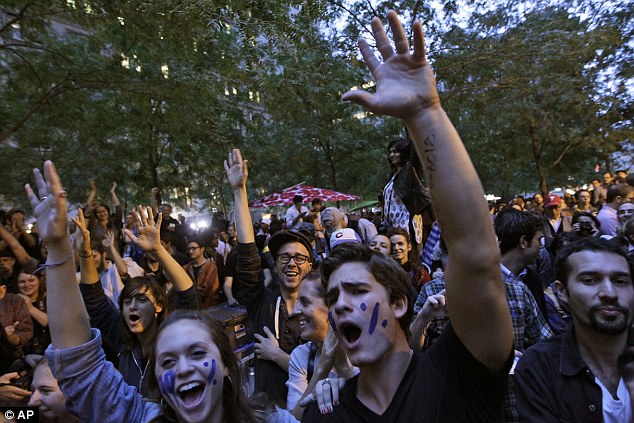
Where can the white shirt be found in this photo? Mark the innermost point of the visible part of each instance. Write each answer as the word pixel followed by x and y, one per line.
pixel 616 410
pixel 291 214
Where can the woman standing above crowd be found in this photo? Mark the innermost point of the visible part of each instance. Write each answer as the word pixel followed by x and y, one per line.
pixel 404 197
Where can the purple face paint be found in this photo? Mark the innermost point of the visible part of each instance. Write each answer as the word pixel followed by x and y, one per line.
pixel 166 382
pixel 363 307
pixel 206 364
pixel 384 323
pixel 374 319
pixel 212 373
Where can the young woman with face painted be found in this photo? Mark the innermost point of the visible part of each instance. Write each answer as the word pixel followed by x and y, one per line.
pixel 319 358
pixel 194 367
pixel 142 302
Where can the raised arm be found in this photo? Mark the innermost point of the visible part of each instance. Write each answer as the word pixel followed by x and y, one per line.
pixel 67 317
pixel 109 245
pixel 237 174
pixel 87 266
pixel 149 241
pixel 113 194
pixel 18 250
pixel 406 89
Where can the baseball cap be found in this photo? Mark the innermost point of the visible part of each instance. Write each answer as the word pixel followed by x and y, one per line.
pixel 281 238
pixel 343 236
pixel 552 200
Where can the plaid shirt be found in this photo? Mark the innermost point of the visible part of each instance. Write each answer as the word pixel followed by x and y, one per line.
pixel 13 309
pixel 529 326
pixel 432 240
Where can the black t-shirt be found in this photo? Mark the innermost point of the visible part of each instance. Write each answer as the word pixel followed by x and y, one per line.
pixel 444 384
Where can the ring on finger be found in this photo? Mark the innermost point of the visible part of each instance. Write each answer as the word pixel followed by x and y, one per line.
pixel 43 198
pixel 326 382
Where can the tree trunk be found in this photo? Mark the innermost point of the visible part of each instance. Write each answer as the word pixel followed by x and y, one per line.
pixel 537 146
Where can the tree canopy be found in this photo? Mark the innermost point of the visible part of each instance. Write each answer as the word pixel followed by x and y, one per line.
pixel 155 93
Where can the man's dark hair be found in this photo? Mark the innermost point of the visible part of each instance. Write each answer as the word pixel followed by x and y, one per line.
pixel 596 179
pixel 629 179
pixel 511 225
pixel 617 190
pixel 197 240
pixel 590 243
pixel 386 271
pixel 169 237
pixel 298 199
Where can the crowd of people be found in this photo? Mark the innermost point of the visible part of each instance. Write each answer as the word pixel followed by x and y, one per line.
pixel 110 321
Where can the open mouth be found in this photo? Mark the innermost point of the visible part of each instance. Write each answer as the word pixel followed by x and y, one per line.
pixel 350 332
pixel 191 393
pixel 133 318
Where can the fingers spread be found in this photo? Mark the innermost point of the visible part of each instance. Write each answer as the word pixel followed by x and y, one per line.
pixel 369 58
pixel 360 97
pixel 150 214
pixel 400 39
pixel 382 40
pixel 30 195
pixel 54 184
pixel 419 43
pixel 39 183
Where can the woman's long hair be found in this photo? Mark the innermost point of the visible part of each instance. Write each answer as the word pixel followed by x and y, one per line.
pixel 412 254
pixel 408 154
pixel 234 399
pixel 133 287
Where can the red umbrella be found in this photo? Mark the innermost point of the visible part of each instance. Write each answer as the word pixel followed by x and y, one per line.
pixel 285 197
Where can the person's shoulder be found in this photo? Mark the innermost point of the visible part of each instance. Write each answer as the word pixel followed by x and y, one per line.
pixel 542 352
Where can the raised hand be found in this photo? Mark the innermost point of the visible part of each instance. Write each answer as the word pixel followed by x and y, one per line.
pixel 236 169
pixel 82 236
pixel 108 240
pixel 405 83
pixel 149 238
pixel 114 187
pixel 49 206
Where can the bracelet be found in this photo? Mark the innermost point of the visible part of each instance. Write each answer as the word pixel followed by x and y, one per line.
pixel 45 265
pixel 85 256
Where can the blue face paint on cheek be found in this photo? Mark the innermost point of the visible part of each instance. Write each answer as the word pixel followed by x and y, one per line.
pixel 206 364
pixel 212 373
pixel 384 323
pixel 363 307
pixel 166 382
pixel 374 319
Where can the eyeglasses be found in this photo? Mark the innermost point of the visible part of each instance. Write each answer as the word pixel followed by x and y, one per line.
pixel 298 258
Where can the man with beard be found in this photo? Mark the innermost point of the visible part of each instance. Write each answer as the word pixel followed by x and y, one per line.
pixel 575 376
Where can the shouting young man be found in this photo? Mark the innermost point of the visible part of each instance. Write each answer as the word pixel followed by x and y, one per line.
pixel 463 377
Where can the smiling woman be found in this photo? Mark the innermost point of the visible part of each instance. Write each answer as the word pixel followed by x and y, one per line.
pixel 197 375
